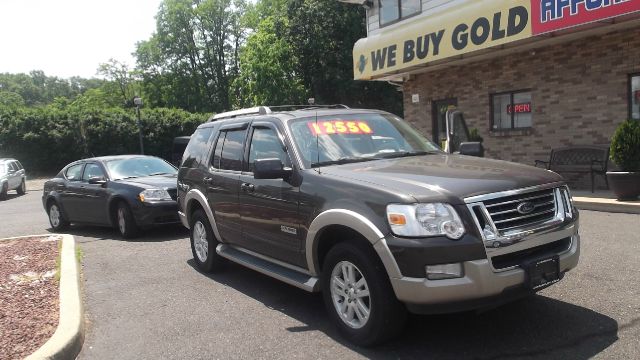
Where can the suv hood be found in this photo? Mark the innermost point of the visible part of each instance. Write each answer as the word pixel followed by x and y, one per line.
pixel 450 177
pixel 158 181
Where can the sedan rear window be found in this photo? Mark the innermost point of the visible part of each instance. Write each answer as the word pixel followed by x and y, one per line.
pixel 138 167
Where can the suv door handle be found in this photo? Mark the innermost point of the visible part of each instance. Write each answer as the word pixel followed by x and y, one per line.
pixel 208 181
pixel 248 187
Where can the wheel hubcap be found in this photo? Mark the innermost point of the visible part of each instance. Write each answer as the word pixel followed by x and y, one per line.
pixel 350 294
pixel 200 242
pixel 54 215
pixel 122 226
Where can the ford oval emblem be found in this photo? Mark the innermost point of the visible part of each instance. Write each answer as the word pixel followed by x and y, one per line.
pixel 525 207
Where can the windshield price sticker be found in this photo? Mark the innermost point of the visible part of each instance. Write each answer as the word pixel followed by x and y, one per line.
pixel 339 127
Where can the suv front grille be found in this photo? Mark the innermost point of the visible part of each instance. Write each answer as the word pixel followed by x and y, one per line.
pixel 506 217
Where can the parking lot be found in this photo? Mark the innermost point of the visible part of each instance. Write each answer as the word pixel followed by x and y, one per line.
pixel 144 299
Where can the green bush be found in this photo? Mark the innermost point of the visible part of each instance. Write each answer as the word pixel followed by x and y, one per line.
pixel 45 139
pixel 625 146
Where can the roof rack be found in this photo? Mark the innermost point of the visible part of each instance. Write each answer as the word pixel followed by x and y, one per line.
pixel 263 110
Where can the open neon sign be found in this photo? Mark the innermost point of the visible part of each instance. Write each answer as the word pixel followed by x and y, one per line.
pixel 519 108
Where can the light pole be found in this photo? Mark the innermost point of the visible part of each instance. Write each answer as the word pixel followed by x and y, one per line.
pixel 138 103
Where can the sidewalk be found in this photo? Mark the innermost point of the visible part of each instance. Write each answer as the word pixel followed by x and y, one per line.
pixel 603 200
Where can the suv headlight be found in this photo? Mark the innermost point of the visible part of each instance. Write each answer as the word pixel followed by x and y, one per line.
pixel 154 195
pixel 425 220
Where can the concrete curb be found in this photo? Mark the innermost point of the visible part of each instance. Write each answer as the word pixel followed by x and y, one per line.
pixel 67 340
pixel 608 205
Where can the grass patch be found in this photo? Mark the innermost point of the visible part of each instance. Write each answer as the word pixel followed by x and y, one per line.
pixel 58 262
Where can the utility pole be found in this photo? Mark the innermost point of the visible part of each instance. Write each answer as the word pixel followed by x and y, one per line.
pixel 138 103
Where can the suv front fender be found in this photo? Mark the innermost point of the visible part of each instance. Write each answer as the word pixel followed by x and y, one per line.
pixel 356 222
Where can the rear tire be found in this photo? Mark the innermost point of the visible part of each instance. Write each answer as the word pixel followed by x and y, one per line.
pixel 359 297
pixel 22 189
pixel 204 243
pixel 56 217
pixel 3 191
pixel 125 221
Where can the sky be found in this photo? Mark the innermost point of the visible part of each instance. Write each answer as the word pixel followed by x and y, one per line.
pixel 67 38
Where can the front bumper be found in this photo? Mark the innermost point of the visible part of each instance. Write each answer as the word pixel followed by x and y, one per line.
pixel 156 213
pixel 481 281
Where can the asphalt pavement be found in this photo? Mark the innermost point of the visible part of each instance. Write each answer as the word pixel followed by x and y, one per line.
pixel 145 300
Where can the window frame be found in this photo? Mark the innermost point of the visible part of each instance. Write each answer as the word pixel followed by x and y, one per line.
pixel 630 94
pixel 511 93
pixel 66 171
pixel 400 16
pixel 263 125
pixel 84 170
pixel 243 126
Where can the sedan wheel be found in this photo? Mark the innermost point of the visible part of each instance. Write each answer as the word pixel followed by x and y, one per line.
pixel 56 219
pixel 126 222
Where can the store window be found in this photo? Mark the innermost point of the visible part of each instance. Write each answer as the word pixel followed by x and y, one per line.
pixel 634 96
pixel 512 110
pixel 394 10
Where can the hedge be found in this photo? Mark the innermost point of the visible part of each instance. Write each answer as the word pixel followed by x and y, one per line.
pixel 45 139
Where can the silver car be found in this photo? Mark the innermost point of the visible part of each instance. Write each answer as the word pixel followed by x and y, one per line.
pixel 12 177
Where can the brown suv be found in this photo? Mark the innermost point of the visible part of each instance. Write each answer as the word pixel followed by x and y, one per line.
pixel 360 206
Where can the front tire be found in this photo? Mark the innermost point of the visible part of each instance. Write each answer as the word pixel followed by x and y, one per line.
pixel 3 191
pixel 359 297
pixel 22 189
pixel 56 217
pixel 126 222
pixel 204 243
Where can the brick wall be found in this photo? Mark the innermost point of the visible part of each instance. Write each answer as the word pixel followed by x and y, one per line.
pixel 579 94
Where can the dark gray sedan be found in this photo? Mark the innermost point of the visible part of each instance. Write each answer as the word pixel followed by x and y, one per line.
pixel 129 192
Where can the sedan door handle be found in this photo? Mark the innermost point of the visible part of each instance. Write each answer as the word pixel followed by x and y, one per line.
pixel 248 187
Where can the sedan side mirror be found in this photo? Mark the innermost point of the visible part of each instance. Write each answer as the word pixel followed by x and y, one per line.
pixel 97 180
pixel 270 169
pixel 472 149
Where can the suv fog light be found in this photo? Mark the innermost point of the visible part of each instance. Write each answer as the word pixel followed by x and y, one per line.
pixel 444 271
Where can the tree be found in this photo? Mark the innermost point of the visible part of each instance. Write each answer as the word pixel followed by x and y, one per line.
pixel 120 80
pixel 268 68
pixel 192 59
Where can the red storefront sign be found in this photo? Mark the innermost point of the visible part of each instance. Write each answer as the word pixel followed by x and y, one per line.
pixel 553 15
pixel 519 108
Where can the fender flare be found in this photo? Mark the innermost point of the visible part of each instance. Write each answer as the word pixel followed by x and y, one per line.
pixel 356 222
pixel 197 196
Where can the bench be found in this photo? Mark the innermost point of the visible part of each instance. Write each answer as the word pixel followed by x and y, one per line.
pixel 590 159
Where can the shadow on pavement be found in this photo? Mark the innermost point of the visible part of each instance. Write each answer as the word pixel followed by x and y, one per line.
pixel 535 327
pixel 157 234
pixel 10 196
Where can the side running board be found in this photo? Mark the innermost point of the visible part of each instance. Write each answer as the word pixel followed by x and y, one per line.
pixel 269 268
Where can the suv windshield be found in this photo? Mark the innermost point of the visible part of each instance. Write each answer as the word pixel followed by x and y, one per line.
pixel 341 139
pixel 139 166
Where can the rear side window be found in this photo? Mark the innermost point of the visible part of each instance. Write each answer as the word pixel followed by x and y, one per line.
pixel 74 173
pixel 197 149
pixel 227 154
pixel 231 158
pixel 20 167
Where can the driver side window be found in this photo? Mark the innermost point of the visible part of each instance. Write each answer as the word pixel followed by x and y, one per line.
pixel 265 144
pixel 92 170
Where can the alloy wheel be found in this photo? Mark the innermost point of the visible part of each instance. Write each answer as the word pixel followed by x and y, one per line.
pixel 350 294
pixel 54 215
pixel 200 242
